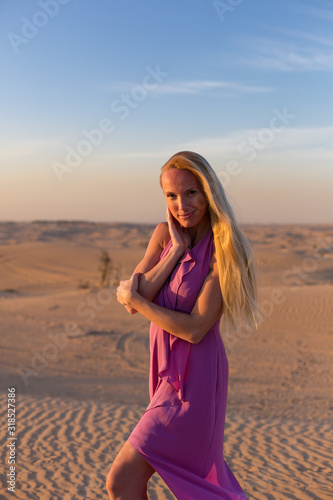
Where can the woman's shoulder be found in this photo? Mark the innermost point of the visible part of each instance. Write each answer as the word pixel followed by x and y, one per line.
pixel 156 245
pixel 161 234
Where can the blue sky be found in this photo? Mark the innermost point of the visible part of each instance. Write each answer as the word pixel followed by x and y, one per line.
pixel 96 96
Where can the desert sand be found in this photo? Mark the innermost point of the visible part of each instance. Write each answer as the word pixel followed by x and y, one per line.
pixel 79 362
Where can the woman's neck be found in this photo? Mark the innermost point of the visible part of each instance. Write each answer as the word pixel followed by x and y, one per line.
pixel 200 230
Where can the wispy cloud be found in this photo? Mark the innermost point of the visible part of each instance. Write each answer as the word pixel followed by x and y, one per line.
pixel 292 140
pixel 322 13
pixel 199 87
pixel 309 37
pixel 271 54
pixel 206 86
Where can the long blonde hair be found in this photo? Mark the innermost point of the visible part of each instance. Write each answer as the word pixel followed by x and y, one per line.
pixel 233 252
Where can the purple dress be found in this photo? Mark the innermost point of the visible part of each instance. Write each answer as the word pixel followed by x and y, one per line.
pixel 181 432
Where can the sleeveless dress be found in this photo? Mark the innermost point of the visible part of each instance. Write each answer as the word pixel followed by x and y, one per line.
pixel 181 432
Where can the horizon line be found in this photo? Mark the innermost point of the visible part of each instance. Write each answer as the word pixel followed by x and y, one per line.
pixel 142 223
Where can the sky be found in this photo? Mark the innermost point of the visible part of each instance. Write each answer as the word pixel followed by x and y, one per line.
pixel 97 95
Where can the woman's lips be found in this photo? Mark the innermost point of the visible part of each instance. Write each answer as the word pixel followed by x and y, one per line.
pixel 186 216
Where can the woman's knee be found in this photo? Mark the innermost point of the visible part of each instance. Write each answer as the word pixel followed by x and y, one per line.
pixel 116 482
pixel 121 485
pixel 128 476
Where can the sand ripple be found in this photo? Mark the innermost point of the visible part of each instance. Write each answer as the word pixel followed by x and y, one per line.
pixel 65 449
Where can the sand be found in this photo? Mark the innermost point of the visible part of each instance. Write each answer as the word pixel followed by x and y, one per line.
pixel 79 362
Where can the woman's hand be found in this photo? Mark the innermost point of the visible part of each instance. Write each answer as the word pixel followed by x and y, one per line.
pixel 180 236
pixel 127 289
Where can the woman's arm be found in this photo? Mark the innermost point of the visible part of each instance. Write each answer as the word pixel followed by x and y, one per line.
pixel 154 273
pixel 191 327
pixel 151 281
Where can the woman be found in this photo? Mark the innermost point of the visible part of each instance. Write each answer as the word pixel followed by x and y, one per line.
pixel 197 265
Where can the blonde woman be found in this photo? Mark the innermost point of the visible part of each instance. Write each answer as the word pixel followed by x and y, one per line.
pixel 198 266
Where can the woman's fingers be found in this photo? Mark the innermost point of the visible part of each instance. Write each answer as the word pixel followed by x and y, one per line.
pixel 126 288
pixel 122 295
pixel 179 235
pixel 119 296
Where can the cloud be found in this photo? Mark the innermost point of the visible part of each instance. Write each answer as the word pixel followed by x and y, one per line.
pixel 328 42
pixel 136 155
pixel 290 50
pixel 322 13
pixel 278 55
pixel 199 87
pixel 205 86
pixel 290 141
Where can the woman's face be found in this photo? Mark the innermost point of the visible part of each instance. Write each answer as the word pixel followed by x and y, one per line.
pixel 184 196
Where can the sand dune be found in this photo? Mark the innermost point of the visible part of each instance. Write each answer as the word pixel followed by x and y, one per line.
pixel 79 362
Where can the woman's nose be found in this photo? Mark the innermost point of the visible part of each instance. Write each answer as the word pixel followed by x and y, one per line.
pixel 182 203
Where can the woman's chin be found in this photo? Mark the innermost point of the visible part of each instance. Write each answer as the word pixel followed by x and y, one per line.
pixel 186 223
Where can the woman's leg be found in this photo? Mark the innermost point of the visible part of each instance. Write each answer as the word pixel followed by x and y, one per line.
pixel 129 475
